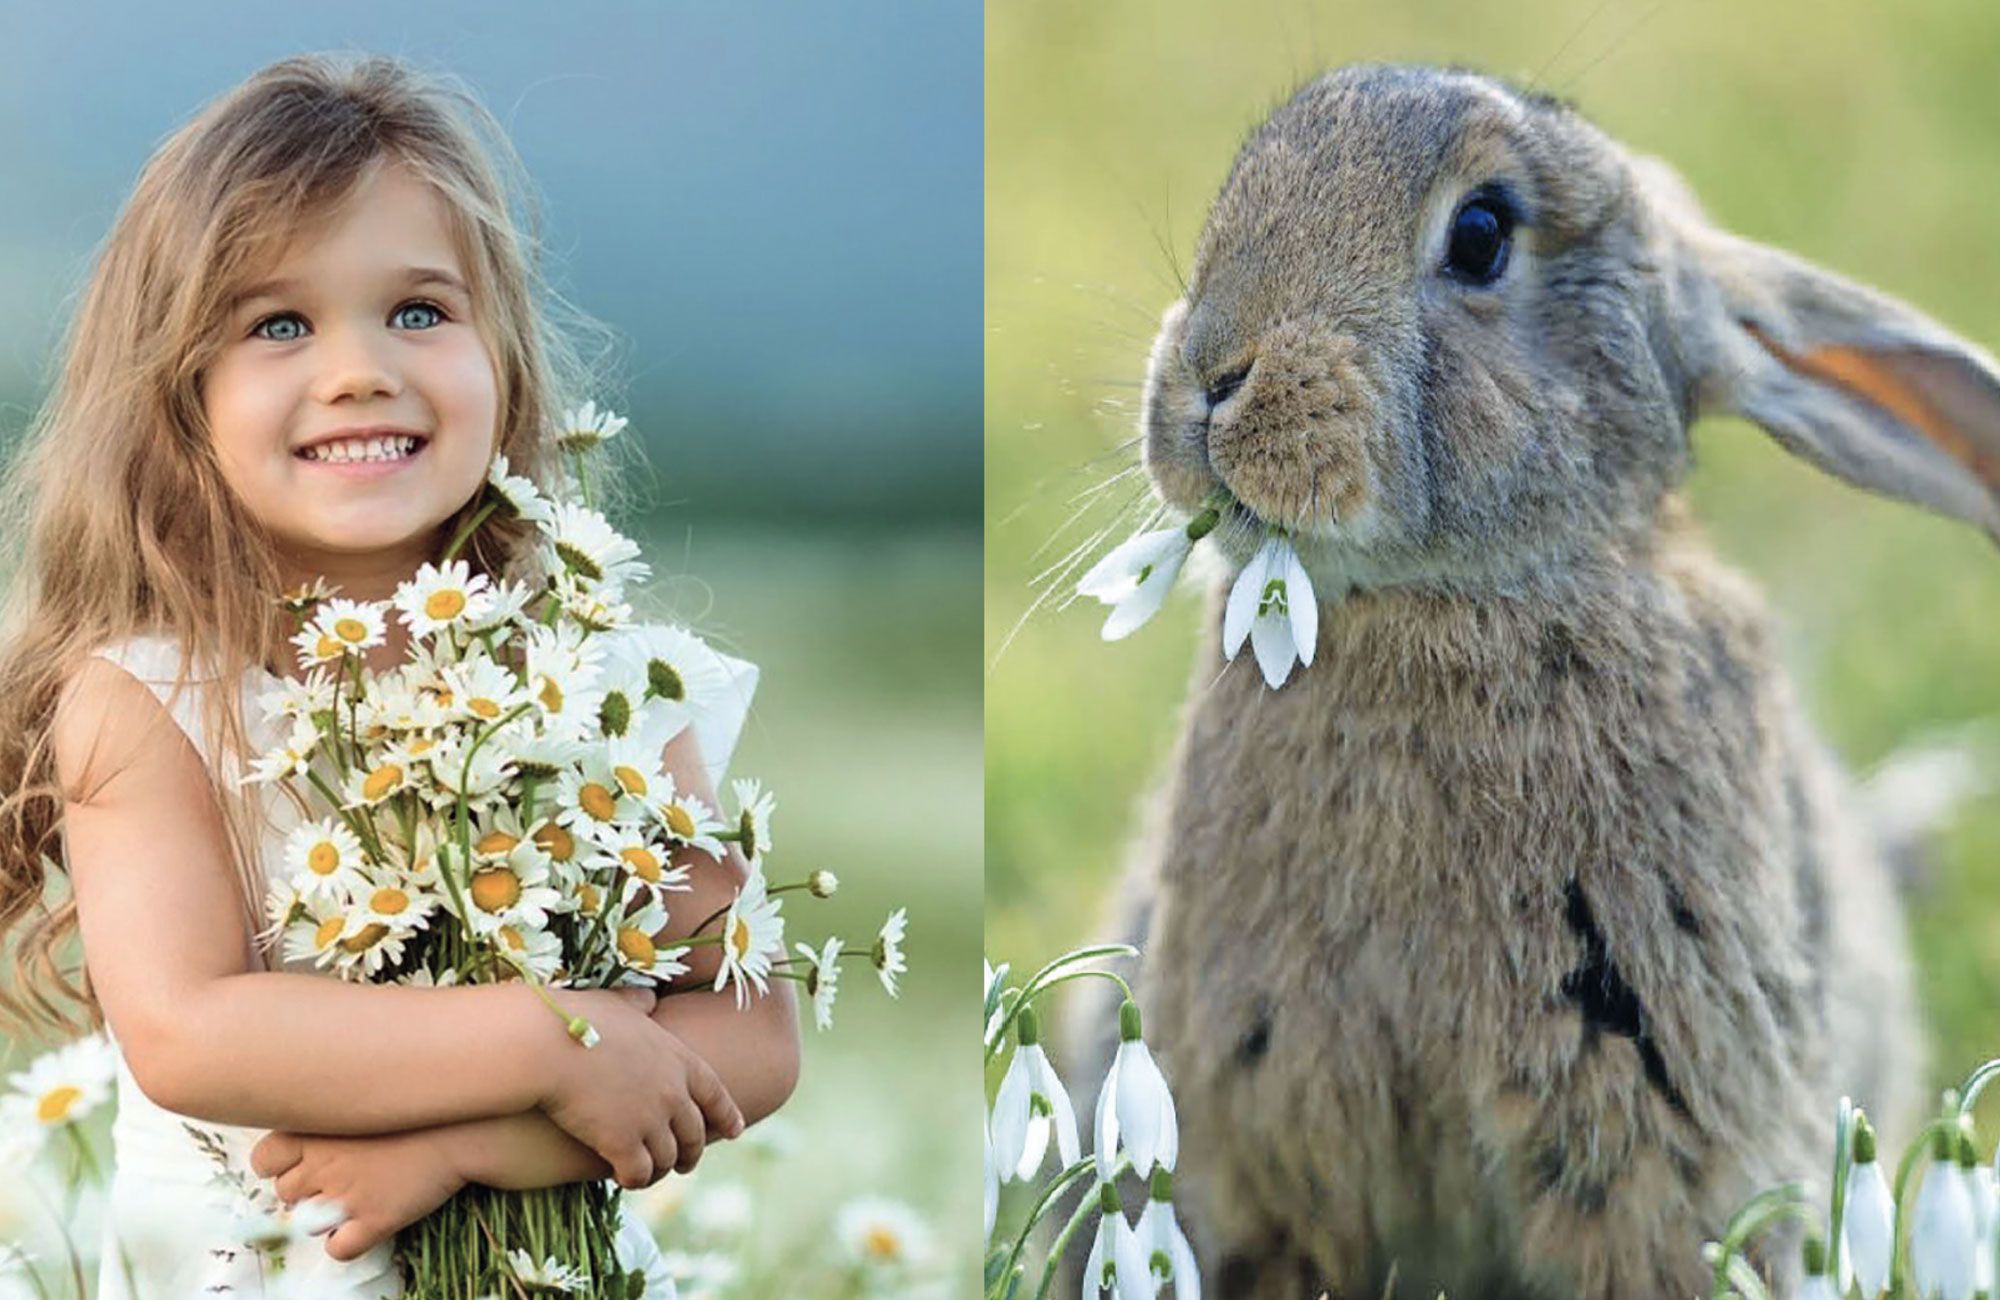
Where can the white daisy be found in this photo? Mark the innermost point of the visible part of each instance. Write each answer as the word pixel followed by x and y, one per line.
pixel 60 1087
pixel 881 1233
pixel 372 784
pixel 671 668
pixel 301 598
pixel 597 610
pixel 644 858
pixel 688 821
pixel 481 691
pixel 438 598
pixel 323 859
pixel 505 605
pixel 353 625
pixel 516 892
pixel 299 698
pixel 548 1274
pixel 491 768
pixel 292 758
pixel 751 929
pixel 397 905
pixel 584 427
pixel 397 703
pixel 888 953
pixel 314 930
pixel 540 951
pixel 516 494
pixel 583 543
pixel 822 978
pixel 592 796
pixel 562 678
pixel 642 952
pixel 754 807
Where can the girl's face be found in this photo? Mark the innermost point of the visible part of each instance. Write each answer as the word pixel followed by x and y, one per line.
pixel 362 332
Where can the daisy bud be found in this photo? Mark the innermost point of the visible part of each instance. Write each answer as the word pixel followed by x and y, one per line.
pixel 584 1032
pixel 822 883
pixel 1868 1222
pixel 1941 1232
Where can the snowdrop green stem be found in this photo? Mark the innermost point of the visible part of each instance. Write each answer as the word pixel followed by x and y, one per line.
pixel 1763 1209
pixel 1843 1159
pixel 1061 1183
pixel 1083 1212
pixel 1057 972
pixel 1975 1083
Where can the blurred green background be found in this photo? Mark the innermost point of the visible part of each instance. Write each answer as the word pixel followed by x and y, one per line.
pixel 1859 135
pixel 774 207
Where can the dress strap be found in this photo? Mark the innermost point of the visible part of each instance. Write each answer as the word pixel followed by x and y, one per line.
pixel 155 661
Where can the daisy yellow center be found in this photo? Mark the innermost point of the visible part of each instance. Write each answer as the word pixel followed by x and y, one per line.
pixel 381 781
pixel 499 843
pixel 57 1102
pixel 496 890
pixel 679 820
pixel 882 1243
pixel 636 946
pixel 631 778
pixel 389 902
pixel 556 841
pixel 739 939
pixel 364 938
pixel 328 931
pixel 591 898
pixel 445 696
pixel 512 938
pixel 643 862
pixel 444 605
pixel 483 707
pixel 326 647
pixel 350 630
pixel 323 859
pixel 550 695
pixel 594 798
pixel 421 745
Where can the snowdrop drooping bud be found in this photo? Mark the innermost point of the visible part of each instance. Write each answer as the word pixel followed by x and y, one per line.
pixel 1941 1231
pixel 1168 1254
pixel 1273 605
pixel 1817 1285
pixel 1870 1216
pixel 1031 1100
pixel 1134 1108
pixel 1985 1210
pixel 1117 1262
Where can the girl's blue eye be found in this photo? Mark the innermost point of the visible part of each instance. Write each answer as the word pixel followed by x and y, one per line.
pixel 293 318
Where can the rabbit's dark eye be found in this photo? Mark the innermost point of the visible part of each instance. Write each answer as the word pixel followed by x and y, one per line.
pixel 1482 234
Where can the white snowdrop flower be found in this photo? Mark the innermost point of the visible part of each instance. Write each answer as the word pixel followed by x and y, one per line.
pixel 992 1179
pixel 1117 1263
pixel 1168 1255
pixel 1134 1108
pixel 1868 1221
pixel 881 1233
pixel 518 495
pixel 1135 577
pixel 584 427
pixel 1272 604
pixel 438 598
pixel 1031 1101
pixel 1942 1229
pixel 1985 1214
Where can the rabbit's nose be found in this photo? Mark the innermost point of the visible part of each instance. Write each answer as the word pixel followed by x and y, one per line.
pixel 1224 387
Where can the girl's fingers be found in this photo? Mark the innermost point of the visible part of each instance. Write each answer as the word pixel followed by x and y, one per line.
pixel 293 1185
pixel 350 1240
pixel 690 1135
pixel 705 1087
pixel 633 1168
pixel 665 1150
pixel 274 1154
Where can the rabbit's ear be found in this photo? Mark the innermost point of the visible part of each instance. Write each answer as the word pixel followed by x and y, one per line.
pixel 1857 383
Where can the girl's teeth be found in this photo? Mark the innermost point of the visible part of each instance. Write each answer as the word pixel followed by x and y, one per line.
pixel 368 449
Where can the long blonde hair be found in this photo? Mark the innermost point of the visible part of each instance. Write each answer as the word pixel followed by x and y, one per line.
pixel 125 522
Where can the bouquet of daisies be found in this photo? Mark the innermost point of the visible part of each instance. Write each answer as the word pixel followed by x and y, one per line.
pixel 496 808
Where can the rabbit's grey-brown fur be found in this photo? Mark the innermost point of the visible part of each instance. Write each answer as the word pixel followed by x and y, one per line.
pixel 1523 935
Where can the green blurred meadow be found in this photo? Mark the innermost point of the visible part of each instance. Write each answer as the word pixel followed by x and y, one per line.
pixel 1857 134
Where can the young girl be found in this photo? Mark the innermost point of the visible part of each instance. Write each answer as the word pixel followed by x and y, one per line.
pixel 321 266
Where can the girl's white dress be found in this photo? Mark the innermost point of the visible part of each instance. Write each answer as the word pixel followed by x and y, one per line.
pixel 160 1175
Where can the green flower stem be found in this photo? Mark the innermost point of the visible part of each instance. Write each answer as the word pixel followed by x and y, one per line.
pixel 62 1230
pixel 1038 986
pixel 1745 1280
pixel 1764 1208
pixel 1050 1194
pixel 1904 1168
pixel 363 831
pixel 1047 977
pixel 1843 1157
pixel 1975 1083
pixel 465 533
pixel 583 478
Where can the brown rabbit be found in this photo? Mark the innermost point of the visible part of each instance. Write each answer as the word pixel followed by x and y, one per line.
pixel 1529 930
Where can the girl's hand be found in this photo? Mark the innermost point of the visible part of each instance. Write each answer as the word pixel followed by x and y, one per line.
pixel 642 1099
pixel 383 1183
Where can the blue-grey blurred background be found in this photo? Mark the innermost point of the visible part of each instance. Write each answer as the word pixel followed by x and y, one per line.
pixel 777 207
